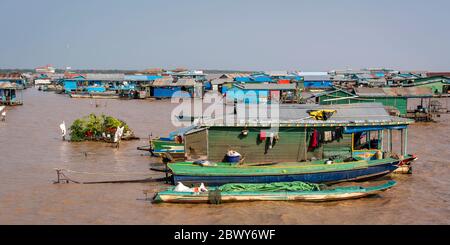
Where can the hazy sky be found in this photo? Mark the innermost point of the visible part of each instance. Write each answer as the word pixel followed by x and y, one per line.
pixel 249 35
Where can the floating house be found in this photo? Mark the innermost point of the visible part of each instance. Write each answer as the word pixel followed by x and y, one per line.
pixel 14 78
pixel 11 89
pixel 438 84
pixel 95 83
pixel 221 85
pixel 198 76
pixel 393 98
pixel 358 130
pixel 316 80
pixel 262 93
pixel 168 87
pixel 142 84
pixel 11 94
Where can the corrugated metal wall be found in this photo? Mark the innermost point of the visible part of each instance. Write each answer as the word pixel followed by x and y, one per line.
pixel 223 139
pixel 398 102
pixel 165 92
pixel 292 145
pixel 196 145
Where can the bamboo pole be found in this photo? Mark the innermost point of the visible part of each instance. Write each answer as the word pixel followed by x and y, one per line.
pixel 390 140
pixel 405 144
pixel 402 138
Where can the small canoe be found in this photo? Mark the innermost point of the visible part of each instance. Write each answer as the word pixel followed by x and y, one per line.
pixel 322 195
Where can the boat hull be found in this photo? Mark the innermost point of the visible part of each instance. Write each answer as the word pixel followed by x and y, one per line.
pixel 305 196
pixel 359 174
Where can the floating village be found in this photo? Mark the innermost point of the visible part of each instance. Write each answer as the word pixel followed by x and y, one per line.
pixel 331 127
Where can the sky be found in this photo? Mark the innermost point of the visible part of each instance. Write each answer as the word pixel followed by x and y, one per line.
pixel 308 35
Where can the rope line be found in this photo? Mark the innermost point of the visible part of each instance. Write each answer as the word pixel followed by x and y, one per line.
pixel 90 173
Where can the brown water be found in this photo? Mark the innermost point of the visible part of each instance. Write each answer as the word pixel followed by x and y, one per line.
pixel 30 149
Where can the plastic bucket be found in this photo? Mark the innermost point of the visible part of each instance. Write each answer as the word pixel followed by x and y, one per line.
pixel 233 159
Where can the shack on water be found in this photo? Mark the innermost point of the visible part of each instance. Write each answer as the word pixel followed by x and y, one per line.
pixel 11 89
pixel 439 84
pixel 11 94
pixel 395 99
pixel 168 87
pixel 359 130
pixel 263 93
pixel 316 81
pixel 92 83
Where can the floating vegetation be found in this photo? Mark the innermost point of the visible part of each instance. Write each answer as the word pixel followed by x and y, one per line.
pixel 98 128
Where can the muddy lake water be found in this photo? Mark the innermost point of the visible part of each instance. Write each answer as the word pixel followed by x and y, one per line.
pixel 31 148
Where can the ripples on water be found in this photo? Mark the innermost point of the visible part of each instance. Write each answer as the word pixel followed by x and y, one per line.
pixel 30 149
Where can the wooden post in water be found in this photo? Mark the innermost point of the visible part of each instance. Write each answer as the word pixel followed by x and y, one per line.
pixel 381 139
pixel 405 143
pixel 390 140
pixel 402 139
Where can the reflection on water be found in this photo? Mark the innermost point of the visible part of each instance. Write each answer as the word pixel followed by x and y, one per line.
pixel 31 148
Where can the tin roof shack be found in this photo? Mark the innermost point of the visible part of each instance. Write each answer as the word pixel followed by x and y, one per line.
pixel 263 93
pixel 353 130
pixel 371 80
pixel 439 84
pixel 393 98
pixel 344 80
pixel 397 80
pixel 284 77
pixel 94 83
pixel 198 76
pixel 222 85
pixel 316 81
pixel 11 93
pixel 11 89
pixel 168 87
pixel 142 84
pixel 15 78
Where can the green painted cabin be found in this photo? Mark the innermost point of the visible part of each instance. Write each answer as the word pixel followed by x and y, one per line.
pixel 373 95
pixel 438 85
pixel 212 141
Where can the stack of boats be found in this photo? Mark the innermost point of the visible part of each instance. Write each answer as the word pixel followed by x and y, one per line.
pixel 300 157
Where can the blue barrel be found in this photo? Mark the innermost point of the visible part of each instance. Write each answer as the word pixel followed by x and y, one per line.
pixel 233 159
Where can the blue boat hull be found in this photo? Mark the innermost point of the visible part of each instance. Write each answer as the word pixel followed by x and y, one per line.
pixel 370 172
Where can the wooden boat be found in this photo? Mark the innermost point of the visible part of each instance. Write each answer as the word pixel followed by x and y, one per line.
pixel 95 95
pixel 333 194
pixel 310 172
pixel 165 145
pixel 168 144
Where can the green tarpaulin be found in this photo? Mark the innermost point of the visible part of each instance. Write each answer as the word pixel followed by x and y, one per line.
pixel 280 186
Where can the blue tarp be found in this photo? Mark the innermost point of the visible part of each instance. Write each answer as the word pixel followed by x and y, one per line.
pixel 318 84
pixel 96 89
pixel 70 85
pixel 350 130
pixel 141 77
pixel 242 79
pixel 261 78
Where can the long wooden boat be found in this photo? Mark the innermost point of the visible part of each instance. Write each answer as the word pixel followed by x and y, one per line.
pixel 159 146
pixel 311 172
pixel 95 96
pixel 334 194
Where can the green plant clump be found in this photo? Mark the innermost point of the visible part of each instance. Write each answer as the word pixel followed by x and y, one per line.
pixel 95 127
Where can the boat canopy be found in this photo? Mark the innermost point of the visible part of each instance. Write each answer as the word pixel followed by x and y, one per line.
pixel 350 130
pixel 181 131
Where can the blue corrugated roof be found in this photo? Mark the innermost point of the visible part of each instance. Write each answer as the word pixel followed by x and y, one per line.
pixel 141 77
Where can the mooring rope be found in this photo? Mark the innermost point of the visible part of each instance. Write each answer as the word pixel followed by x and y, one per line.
pixel 67 179
pixel 108 174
